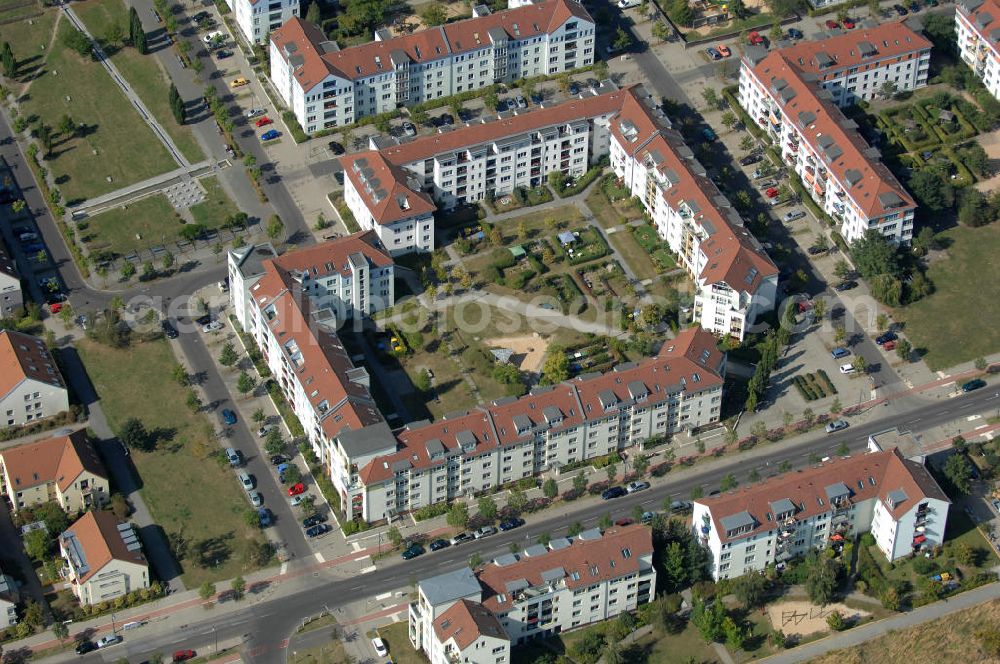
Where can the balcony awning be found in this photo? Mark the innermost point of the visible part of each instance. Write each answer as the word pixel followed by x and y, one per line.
pixel 919 539
pixel 836 537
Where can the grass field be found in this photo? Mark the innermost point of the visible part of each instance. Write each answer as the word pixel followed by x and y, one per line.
pixel 29 41
pixel 142 72
pixel 216 206
pixel 188 492
pixel 126 149
pixel 637 257
pixel 397 639
pixel 962 283
pixel 152 218
pixel 953 638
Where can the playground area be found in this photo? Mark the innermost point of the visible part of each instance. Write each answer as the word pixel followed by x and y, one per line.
pixel 528 350
pixel 799 618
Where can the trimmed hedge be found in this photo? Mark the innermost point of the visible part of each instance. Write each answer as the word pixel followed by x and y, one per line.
pixel 298 134
pixel 581 183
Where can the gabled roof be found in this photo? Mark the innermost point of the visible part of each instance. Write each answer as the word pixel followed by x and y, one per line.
pixel 102 538
pixel 389 192
pixel 465 622
pixel 833 138
pixel 335 256
pixel 984 17
pixel 829 57
pixel 25 357
pixel 60 460
pixel 313 57
pixel 873 475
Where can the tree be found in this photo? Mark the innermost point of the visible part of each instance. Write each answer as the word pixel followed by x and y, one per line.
pixel 180 374
pixel 419 116
pixel 973 208
pixel 729 120
pixel 746 143
pixel 60 630
pixel 556 367
pixel 206 591
pixel 259 416
pixel 882 322
pixel 8 60
pixel 981 364
pixel 809 416
pixel 127 271
pixel 487 508
pixel 137 36
pixel 458 516
pixel 931 191
pixel 873 254
pixel 737 9
pixel 133 435
pixel 434 14
pixel 46 137
pixel 228 356
pixel 549 488
pixel 640 464
pixel 394 536
pixel 903 349
pixel 836 621
pixel 177 105
pixel 193 401
pixel 958 471
pixel 860 364
pixel 292 474
pixel 735 634
pixel 77 41
pixel 839 334
pixel 661 31
pixel 842 269
pixel 622 40
pixel 836 407
pixel 612 470
pixel 274 227
pixel 38 543
pixel 749 589
pixel 580 482
pixel 711 98
pixel 821 579
pixel 517 499
pixel 167 260
pixel 819 308
pixel 246 383
pixel 708 619
pixel 491 100
pixel 776 33
pixel 313 14
pixel 728 483
pixel 274 443
pixel 680 12
pixel 423 381
pixel 239 586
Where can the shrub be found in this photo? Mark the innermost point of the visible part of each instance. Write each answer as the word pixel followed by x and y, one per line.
pixel 431 511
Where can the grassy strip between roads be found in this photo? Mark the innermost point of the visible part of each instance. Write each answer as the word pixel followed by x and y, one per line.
pixel 142 72
pixel 152 218
pixel 191 494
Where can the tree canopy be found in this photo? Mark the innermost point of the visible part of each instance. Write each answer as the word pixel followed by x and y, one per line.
pixel 873 254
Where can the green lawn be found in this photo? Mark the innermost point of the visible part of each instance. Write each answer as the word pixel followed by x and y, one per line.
pixel 216 206
pixel 397 639
pixel 29 41
pixel 964 281
pixel 658 648
pixel 142 72
pixel 637 257
pixel 152 218
pixel 126 149
pixel 190 493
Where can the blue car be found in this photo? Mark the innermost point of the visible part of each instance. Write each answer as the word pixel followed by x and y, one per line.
pixel 270 135
pixel 712 53
pixel 266 518
pixel 708 134
pixel 229 417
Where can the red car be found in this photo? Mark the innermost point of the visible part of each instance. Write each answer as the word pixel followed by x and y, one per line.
pixel 624 522
pixel 723 50
pixel 55 307
pixel 771 192
pixel 755 38
pixel 183 655
pixel 263 122
pixel 849 23
pixel 832 25
pixel 296 489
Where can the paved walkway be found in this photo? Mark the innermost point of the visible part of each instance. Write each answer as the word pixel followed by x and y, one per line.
pixel 859 635
pixel 145 188
pixel 129 93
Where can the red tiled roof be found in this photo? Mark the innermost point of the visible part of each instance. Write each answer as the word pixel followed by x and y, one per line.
pixel 465 622
pixel 23 357
pixel 734 257
pixel 989 13
pixel 830 122
pixel 891 41
pixel 384 188
pixel 867 476
pixel 332 256
pixel 60 460
pixel 578 399
pixel 98 535
pixel 585 562
pixel 697 345
pixel 424 46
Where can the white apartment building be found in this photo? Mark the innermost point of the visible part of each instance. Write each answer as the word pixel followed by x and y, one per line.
pixel 9 596
pixel 841 172
pixel 11 297
pixel 31 386
pixel 736 280
pixel 385 187
pixel 102 558
pixel 977 26
pixel 327 87
pixel 65 469
pixel 895 499
pixel 259 18
pixel 541 591
pixel 509 439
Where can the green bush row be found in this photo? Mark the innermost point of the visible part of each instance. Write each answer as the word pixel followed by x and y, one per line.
pixel 431 511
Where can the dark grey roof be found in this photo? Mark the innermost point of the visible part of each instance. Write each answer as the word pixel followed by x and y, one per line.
pixel 755 53
pixel 522 422
pixel 866 49
pixel 890 199
pixel 783 506
pixel 516 584
pixel 983 19
pixel 434 446
pixel 806 118
pixel 823 60
pixel 552 414
pixel 465 438
pixel 896 497
pixel 450 586
pixel 671 176
pixel 401 465
pixel 787 94
pixel 250 259
pixel 837 490
pixel 592 534
pixel 497 35
pixel 553 574
pixel 738 520
pixel 369 440
pixel 505 559
pixel 560 543
pixel 637 389
pixel 535 550
pixel 853 176
pixel 971 5
pixel 607 398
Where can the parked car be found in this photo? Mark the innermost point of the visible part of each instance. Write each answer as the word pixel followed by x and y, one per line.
pixel 831 24
pixel 613 492
pixel 222 54
pixel 439 544
pixel 847 368
pixel 296 489
pixel 521 103
pixel 839 352
pixel 409 129
pixel 636 486
pixel 511 523
pixel 973 385
pixel 461 538
pixel 234 456
pixel 647 517
pixel 723 50
pixel 574 88
pixel 246 479
pixel 708 134
pixel 712 53
pixel 278 459
pixel 677 506
pixel 239 82
pixel 335 147
pixel 794 33
pixel 266 517
pixel 885 336
pixel 750 159
pixel 849 23
pixel 759 173
pixel 380 648
pixel 485 531
pixel 793 215
pixel 109 640
pixel 755 38
pixel 310 521
pixel 814 250
pixel 228 416
pixel 256 499
pixel 270 135
pixel 297 500
pixel 767 184
pixel 900 10
pixel 83 647
pixel 771 192
pixel 625 521
pixel 169 331
pixel 845 286
pixel 254 112
pixel 318 529
pixel 536 98
pixel 263 122
pixel 413 551
pixel 214 36
pixel 263 430
pixel 213 326
pixel 836 425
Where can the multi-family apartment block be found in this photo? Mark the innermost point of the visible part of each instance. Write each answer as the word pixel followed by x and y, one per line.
pixel 841 172
pixel 895 499
pixel 11 297
pixel 977 25
pixel 102 558
pixel 328 87
pixel 9 597
pixel 735 279
pixel 31 386
pixel 259 18
pixel 476 616
pixel 65 469
pixel 509 439
pixel 395 190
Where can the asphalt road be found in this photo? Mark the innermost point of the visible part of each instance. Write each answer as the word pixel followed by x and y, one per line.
pixel 266 626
